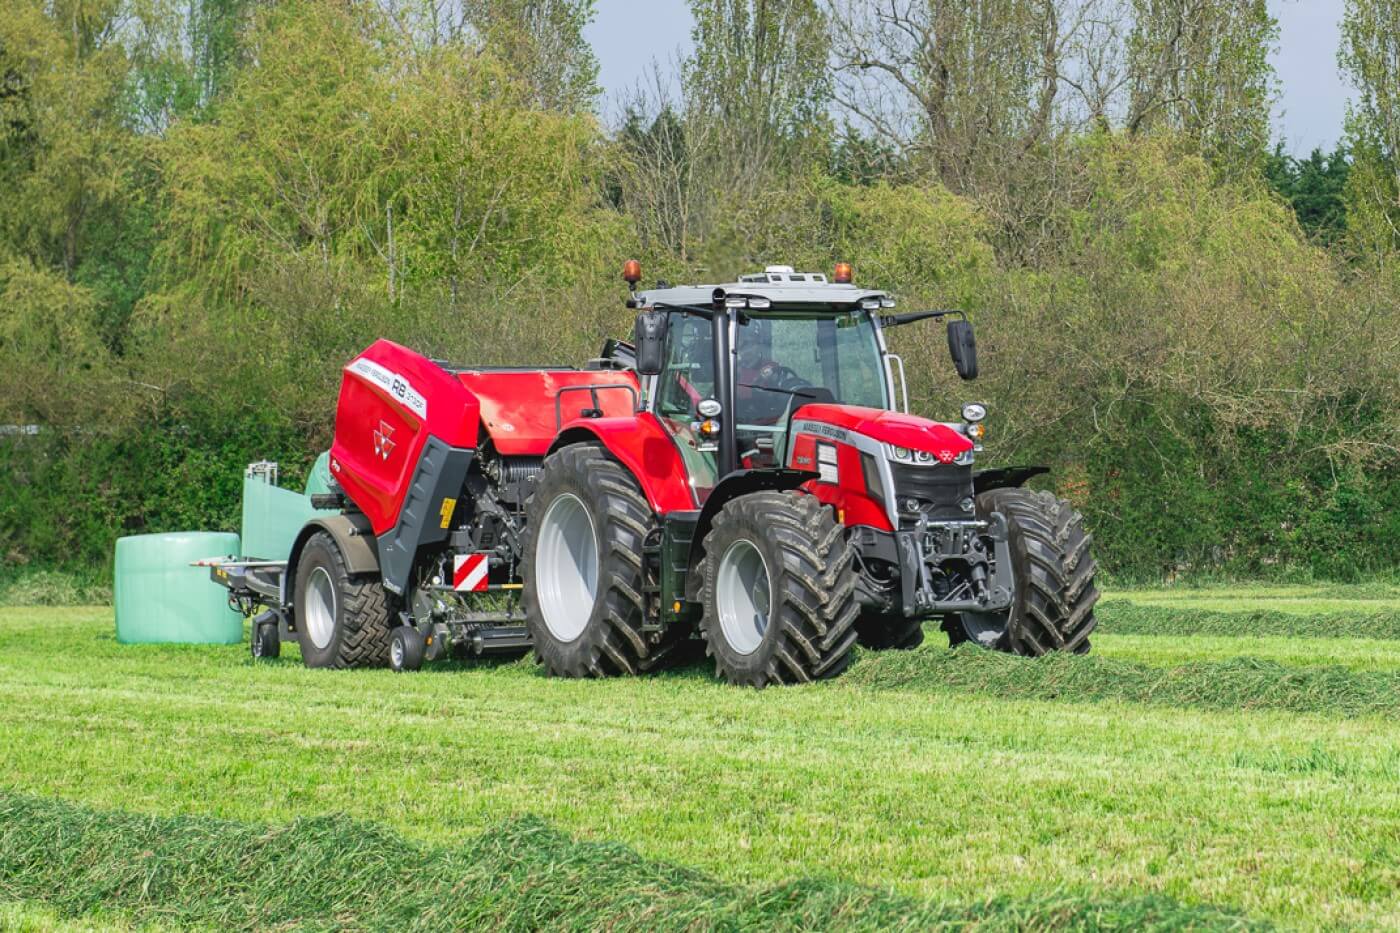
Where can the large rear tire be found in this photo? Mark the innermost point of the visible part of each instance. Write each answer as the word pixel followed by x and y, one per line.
pixel 342 620
pixel 1054 568
pixel 583 576
pixel 780 591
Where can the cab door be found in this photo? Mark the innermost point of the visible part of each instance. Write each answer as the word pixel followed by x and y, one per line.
pixel 686 379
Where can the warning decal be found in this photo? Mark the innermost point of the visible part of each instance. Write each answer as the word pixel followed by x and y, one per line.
pixel 469 573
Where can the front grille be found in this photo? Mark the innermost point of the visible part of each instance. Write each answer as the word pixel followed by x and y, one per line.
pixel 938 489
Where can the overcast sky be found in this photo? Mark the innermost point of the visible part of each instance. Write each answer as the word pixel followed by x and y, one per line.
pixel 627 35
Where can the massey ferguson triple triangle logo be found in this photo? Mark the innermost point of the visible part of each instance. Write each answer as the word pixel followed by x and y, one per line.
pixel 382 445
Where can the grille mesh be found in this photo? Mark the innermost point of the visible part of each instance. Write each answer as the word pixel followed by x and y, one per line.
pixel 938 489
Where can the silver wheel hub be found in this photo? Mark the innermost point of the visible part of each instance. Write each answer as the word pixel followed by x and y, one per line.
pixel 396 652
pixel 566 567
pixel 743 596
pixel 320 607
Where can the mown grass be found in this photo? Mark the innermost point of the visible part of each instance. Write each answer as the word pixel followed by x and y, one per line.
pixel 1312 597
pixel 1240 683
pixel 933 789
pixel 1361 654
pixel 37 917
pixel 1374 619
pixel 337 872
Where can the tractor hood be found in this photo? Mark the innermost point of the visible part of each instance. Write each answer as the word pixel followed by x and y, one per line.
pixel 891 427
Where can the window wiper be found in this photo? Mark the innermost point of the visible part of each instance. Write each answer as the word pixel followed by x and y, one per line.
pixel 804 392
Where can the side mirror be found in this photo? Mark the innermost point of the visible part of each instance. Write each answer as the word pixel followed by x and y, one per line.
pixel 962 347
pixel 649 335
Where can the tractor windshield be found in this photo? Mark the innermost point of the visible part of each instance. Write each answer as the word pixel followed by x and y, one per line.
pixel 786 360
pixel 783 360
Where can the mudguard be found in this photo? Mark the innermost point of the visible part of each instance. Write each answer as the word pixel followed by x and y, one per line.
pixel 352 534
pixel 1005 477
pixel 642 445
pixel 732 486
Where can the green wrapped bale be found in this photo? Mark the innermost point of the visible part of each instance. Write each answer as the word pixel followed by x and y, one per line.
pixel 160 598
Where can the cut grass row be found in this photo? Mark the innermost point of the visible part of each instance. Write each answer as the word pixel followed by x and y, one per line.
pixel 935 792
pixel 1361 654
pixel 1323 597
pixel 335 872
pixel 1126 617
pixel 1240 683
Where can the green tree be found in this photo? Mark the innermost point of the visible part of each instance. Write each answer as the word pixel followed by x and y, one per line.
pixel 1201 67
pixel 542 43
pixel 75 224
pixel 1315 187
pixel 759 69
pixel 970 86
pixel 1370 59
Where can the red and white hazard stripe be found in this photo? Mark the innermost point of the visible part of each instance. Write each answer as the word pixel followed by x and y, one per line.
pixel 469 572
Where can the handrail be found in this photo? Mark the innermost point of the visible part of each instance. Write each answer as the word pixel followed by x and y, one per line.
pixel 592 390
pixel 903 379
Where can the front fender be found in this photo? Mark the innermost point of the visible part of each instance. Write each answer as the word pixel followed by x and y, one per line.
pixel 1005 477
pixel 642 445
pixel 739 483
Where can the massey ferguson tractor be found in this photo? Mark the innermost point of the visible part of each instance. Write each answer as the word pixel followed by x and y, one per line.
pixel 743 473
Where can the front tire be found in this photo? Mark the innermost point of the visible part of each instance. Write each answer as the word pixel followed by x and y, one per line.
pixel 583 576
pixel 342 620
pixel 1054 568
pixel 780 591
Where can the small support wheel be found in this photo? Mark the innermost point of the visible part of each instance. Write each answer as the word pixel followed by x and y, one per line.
pixel 406 646
pixel 266 643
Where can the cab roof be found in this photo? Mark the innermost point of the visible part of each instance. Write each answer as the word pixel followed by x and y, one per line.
pixel 779 284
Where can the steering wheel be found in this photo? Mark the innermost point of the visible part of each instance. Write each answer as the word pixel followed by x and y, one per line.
pixel 777 376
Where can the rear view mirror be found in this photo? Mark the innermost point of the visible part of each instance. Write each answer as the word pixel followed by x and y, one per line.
pixel 962 347
pixel 649 335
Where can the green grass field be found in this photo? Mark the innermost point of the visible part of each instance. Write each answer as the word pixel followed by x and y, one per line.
pixel 970 788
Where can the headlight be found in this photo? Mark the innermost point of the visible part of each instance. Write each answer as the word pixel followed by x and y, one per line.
pixel 923 456
pixel 973 412
pixel 903 454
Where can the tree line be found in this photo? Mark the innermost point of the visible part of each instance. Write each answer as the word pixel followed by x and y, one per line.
pixel 206 208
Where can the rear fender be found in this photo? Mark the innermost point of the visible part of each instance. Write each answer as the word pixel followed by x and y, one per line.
pixel 739 483
pixel 642 445
pixel 351 533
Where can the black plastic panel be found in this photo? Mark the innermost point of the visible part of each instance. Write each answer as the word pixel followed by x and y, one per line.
pixel 938 489
pixel 440 474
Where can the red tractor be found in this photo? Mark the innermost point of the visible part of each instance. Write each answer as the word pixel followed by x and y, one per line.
pixel 741 473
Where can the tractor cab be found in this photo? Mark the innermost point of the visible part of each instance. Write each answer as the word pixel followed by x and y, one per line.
pixel 726 369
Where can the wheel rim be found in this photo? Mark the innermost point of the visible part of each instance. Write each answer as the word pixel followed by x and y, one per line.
pixel 320 607
pixel 396 652
pixel 743 596
pixel 985 628
pixel 566 567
